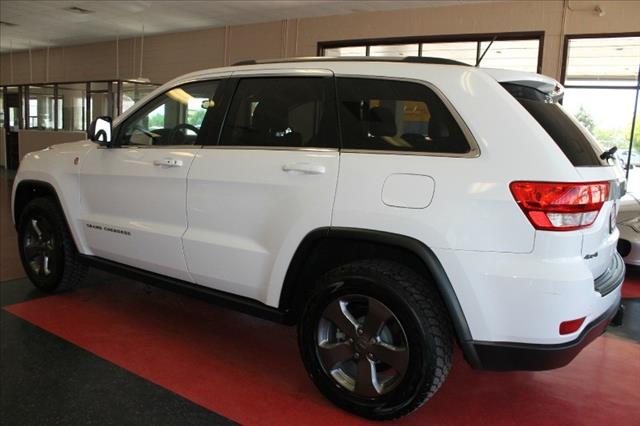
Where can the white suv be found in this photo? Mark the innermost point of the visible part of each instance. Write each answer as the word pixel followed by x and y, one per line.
pixel 386 207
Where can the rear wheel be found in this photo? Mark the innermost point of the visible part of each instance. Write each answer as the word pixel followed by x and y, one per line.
pixel 47 251
pixel 375 339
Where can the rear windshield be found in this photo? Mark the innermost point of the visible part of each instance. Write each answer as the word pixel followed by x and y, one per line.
pixel 575 142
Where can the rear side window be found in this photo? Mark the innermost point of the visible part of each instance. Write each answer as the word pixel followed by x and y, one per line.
pixel 574 142
pixel 282 112
pixel 378 114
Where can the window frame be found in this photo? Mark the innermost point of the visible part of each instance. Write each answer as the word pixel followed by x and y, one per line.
pixel 420 40
pixel 565 56
pixel 474 147
pixel 207 121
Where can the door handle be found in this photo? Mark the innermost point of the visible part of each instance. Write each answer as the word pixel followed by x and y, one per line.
pixel 168 162
pixel 305 168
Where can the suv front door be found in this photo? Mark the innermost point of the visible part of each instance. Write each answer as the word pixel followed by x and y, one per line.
pixel 134 193
pixel 269 182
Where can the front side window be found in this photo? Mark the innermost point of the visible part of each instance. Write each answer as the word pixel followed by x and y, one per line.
pixel 282 112
pixel 398 116
pixel 173 118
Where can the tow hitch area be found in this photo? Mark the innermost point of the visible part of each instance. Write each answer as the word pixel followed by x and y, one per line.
pixel 616 321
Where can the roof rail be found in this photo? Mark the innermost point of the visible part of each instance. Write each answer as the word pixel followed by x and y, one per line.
pixel 410 59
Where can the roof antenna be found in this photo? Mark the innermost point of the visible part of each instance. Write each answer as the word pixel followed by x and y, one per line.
pixel 485 51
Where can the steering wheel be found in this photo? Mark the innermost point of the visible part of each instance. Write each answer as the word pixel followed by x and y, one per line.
pixel 181 127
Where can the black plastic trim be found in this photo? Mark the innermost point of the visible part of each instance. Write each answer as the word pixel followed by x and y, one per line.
pixel 507 356
pixel 33 183
pixel 424 253
pixel 227 300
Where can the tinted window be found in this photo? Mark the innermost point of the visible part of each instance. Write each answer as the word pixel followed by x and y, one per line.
pixel 173 118
pixel 394 115
pixel 284 112
pixel 566 132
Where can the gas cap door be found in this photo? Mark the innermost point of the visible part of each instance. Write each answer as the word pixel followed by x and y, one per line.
pixel 408 191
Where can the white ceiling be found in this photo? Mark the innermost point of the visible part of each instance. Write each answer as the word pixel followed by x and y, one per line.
pixel 49 23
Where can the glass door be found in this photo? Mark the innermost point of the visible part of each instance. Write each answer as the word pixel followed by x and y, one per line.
pixel 602 81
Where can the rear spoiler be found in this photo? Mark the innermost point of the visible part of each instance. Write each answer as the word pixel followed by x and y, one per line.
pixel 547 85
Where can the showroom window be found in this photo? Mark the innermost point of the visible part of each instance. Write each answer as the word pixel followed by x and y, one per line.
pixel 396 116
pixel 40 107
pixel 516 51
pixel 282 112
pixel 72 106
pixel 72 113
pixel 602 80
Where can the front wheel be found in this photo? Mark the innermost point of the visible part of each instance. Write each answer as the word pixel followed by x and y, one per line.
pixel 375 339
pixel 47 251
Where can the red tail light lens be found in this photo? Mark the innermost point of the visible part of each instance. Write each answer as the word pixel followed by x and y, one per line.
pixel 552 206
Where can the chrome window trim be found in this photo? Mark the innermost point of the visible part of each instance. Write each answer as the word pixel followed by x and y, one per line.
pixel 152 147
pixel 470 154
pixel 269 148
pixel 474 148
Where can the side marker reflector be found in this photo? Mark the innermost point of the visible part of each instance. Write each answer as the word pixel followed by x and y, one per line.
pixel 568 327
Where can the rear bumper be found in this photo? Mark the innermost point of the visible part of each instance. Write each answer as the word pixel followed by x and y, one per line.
pixel 503 356
pixel 602 298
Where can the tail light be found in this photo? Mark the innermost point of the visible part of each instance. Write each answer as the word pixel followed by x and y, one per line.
pixel 552 206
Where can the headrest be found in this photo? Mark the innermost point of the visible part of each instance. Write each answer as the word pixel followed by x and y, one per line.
pixel 269 117
pixel 382 122
pixel 438 128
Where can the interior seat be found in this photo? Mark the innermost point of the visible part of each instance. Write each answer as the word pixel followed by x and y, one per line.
pixel 270 125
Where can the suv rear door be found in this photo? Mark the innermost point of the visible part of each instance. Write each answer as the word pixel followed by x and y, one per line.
pixel 270 181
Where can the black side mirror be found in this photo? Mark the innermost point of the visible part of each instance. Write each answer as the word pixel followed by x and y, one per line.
pixel 100 130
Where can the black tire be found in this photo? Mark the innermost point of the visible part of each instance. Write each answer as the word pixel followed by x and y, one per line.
pixel 418 309
pixel 49 237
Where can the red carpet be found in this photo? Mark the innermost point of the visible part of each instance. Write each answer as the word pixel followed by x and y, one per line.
pixel 248 369
pixel 631 286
